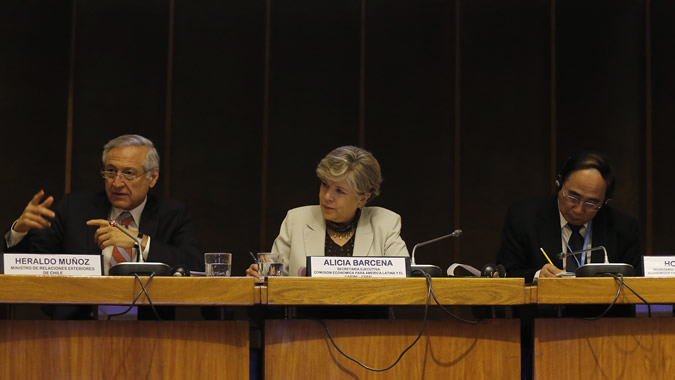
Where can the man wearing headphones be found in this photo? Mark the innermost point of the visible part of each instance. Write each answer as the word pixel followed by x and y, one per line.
pixel 577 217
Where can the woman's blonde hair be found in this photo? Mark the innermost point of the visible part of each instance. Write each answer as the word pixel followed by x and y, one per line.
pixel 355 165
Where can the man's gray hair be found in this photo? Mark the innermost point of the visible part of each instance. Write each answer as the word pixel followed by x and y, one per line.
pixel 151 158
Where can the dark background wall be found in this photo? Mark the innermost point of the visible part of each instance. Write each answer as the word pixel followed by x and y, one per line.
pixel 468 105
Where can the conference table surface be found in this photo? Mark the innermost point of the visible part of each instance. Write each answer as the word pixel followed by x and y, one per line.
pixel 121 290
pixel 243 291
pixel 246 291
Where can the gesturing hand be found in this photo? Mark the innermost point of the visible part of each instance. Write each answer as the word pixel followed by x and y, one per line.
pixel 35 214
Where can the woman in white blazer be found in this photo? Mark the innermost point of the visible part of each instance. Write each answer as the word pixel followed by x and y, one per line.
pixel 340 225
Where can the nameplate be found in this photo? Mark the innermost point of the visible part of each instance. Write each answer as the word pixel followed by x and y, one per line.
pixel 659 266
pixel 41 264
pixel 361 267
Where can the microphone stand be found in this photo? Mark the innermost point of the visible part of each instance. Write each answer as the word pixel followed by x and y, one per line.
pixel 138 267
pixel 597 269
pixel 434 270
pixel 134 238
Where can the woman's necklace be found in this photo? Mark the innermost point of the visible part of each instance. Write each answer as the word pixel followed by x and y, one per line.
pixel 337 235
pixel 342 231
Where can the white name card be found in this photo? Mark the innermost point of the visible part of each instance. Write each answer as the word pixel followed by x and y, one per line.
pixel 363 267
pixel 659 266
pixel 41 264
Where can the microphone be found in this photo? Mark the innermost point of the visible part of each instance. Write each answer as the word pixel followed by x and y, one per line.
pixel 597 269
pixel 139 268
pixel 434 270
pixel 134 238
pixel 454 233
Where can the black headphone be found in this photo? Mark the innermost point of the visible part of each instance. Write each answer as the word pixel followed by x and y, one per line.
pixel 565 171
pixel 491 270
pixel 180 271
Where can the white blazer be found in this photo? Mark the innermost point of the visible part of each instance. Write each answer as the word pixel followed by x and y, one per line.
pixel 303 233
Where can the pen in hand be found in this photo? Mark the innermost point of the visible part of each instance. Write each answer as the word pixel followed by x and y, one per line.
pixel 255 261
pixel 546 256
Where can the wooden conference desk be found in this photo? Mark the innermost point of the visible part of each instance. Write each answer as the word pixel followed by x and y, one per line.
pixel 299 349
pixel 125 349
pixel 609 348
pixel 564 348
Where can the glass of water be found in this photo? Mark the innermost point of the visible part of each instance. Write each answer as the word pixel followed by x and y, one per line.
pixel 270 264
pixel 218 264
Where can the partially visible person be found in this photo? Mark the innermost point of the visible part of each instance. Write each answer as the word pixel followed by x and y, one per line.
pixel 577 217
pixel 79 223
pixel 340 225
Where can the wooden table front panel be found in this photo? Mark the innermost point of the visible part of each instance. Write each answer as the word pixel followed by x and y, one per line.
pixel 611 348
pixel 301 349
pixel 124 350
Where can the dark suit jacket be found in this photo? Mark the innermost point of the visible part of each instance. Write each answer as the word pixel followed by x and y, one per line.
pixel 535 224
pixel 167 222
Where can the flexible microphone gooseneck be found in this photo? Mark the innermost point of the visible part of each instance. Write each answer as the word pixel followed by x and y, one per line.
pixel 134 238
pixel 434 270
pixel 137 268
pixel 454 233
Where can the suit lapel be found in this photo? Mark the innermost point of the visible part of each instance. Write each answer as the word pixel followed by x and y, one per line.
pixel 364 234
pixel 314 234
pixel 100 209
pixel 599 238
pixel 149 219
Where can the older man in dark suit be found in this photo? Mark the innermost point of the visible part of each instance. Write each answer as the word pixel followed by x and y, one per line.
pixel 80 222
pixel 577 217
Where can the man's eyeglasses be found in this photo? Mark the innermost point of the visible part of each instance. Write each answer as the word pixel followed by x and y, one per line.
pixel 127 176
pixel 587 205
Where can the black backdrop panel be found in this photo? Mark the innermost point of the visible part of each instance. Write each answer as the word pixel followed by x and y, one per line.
pixel 600 73
pixel 409 116
pixel 120 79
pixel 388 81
pixel 217 122
pixel 314 103
pixel 505 117
pixel 663 76
pixel 35 46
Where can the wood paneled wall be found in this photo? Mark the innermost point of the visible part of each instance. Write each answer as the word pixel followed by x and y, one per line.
pixel 468 105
